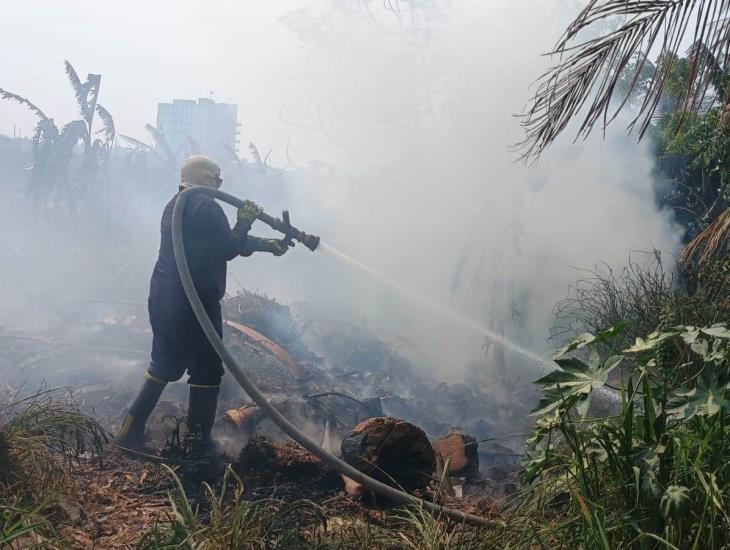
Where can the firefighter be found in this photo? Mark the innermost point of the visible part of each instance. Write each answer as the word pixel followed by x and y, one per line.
pixel 179 344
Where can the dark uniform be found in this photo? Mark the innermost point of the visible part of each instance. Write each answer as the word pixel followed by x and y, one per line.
pixel 179 343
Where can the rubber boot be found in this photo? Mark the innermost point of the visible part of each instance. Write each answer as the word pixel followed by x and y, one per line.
pixel 202 406
pixel 131 434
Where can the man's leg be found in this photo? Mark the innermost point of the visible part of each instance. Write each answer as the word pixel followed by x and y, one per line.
pixel 202 406
pixel 131 433
pixel 204 382
pixel 166 366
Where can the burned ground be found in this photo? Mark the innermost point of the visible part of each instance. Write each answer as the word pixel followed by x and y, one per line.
pixel 99 352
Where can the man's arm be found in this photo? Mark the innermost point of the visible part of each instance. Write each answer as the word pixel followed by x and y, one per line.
pixel 222 242
pixel 256 244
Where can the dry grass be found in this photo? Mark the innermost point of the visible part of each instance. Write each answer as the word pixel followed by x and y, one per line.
pixel 41 437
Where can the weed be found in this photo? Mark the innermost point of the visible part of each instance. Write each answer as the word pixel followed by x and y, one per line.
pixel 230 521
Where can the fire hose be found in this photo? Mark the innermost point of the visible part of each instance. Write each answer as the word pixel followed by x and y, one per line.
pixel 282 422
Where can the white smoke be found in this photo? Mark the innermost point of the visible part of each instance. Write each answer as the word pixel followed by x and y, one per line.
pixel 416 112
pixel 397 119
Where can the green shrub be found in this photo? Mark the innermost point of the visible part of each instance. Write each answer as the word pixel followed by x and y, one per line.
pixel 655 475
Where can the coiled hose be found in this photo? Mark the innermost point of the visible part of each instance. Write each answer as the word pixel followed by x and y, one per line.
pixel 233 367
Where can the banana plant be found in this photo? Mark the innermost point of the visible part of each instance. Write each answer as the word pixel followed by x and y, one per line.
pixel 53 149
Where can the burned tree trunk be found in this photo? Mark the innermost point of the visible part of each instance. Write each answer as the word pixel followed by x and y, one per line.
pixel 461 452
pixel 245 419
pixel 392 451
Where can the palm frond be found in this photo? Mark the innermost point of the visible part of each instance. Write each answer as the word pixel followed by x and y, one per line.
pixel 4 94
pixel 161 143
pixel 586 78
pixel 106 117
pixel 71 134
pixel 80 89
pixel 93 82
pixel 140 145
pixel 87 93
pixel 255 153
pixel 102 149
pixel 715 71
pixel 45 135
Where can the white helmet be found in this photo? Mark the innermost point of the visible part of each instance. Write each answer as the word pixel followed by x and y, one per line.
pixel 200 170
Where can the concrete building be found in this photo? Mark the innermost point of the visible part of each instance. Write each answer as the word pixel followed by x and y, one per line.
pixel 188 124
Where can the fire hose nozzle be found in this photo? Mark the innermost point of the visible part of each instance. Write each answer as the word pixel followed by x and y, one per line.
pixel 290 232
pixel 310 241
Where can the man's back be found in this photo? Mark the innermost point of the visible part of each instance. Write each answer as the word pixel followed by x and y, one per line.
pixel 208 246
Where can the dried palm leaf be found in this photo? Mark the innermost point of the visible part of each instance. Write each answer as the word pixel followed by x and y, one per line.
pixel 108 121
pixel 86 93
pixel 255 153
pixel 715 70
pixel 45 132
pixel 4 94
pixel 81 90
pixel 709 244
pixel 586 79
pixel 71 134
pixel 45 135
pixel 161 143
pixel 140 145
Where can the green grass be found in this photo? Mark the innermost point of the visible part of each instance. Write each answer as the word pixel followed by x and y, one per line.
pixel 229 521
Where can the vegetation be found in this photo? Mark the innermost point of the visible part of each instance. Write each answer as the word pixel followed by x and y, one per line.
pixel 681 101
pixel 53 148
pixel 693 158
pixel 41 436
pixel 643 296
pixel 230 521
pixel 652 473
pixel 655 473
pixel 590 81
pixel 650 470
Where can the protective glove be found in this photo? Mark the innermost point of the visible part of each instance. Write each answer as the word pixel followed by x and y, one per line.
pixel 276 246
pixel 248 213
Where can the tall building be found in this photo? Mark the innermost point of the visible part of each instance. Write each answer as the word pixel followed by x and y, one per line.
pixel 188 124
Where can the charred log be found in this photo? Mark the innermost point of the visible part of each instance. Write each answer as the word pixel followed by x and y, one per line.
pixel 245 418
pixel 460 451
pixel 392 451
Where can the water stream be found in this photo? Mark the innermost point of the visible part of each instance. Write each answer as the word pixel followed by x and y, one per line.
pixel 449 313
pixel 443 310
